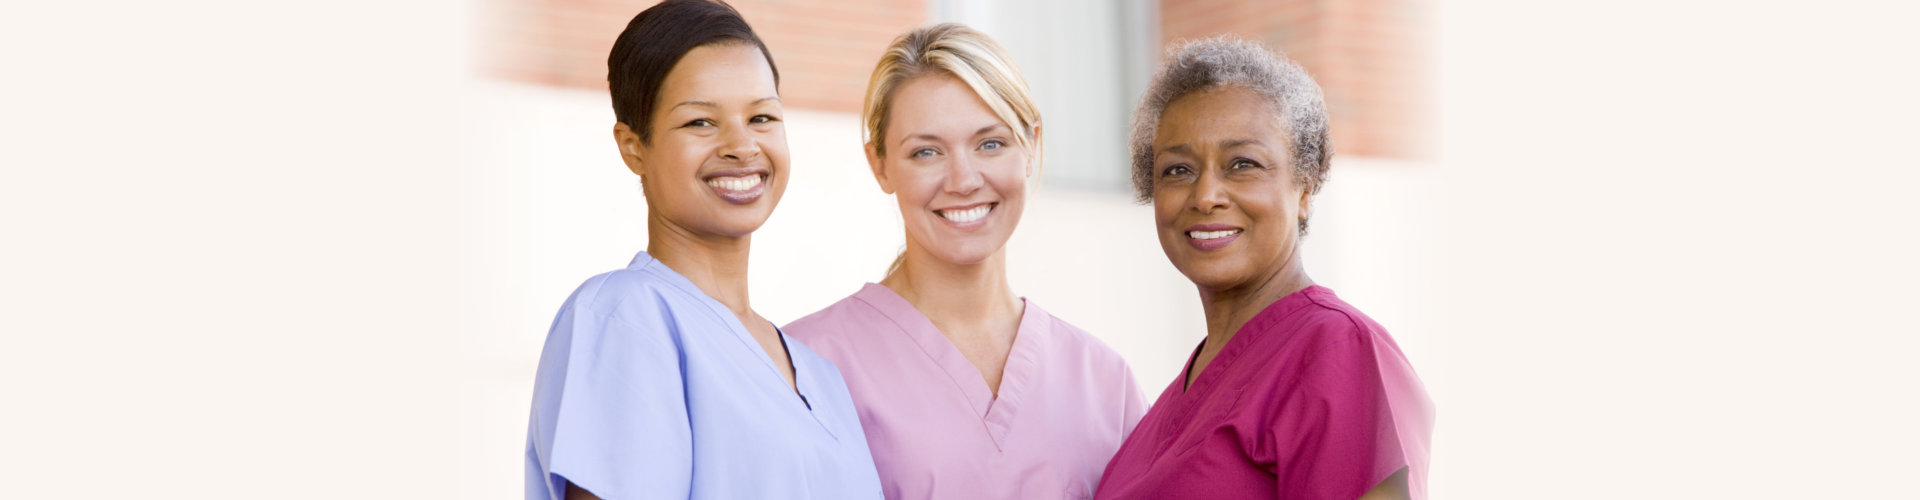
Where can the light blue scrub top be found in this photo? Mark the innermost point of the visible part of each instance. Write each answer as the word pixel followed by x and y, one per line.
pixel 648 388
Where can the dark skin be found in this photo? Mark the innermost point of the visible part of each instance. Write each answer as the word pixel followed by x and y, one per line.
pixel 1227 209
pixel 719 121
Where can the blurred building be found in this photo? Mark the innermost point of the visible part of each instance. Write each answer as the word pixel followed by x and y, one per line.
pixel 1087 59
pixel 561 206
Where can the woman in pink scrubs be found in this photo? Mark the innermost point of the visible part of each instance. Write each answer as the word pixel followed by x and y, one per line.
pixel 1294 393
pixel 965 389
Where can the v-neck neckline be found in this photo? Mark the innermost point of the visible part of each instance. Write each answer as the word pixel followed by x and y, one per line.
pixel 802 388
pixel 995 412
pixel 1229 353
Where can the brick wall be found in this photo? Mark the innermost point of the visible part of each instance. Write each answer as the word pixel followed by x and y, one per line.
pixel 1372 57
pixel 825 49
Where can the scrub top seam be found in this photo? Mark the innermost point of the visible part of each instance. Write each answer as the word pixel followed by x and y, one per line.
pixel 759 354
pixel 922 347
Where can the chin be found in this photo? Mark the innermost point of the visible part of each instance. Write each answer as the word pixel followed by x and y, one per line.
pixel 965 253
pixel 1213 274
pixel 964 258
pixel 741 226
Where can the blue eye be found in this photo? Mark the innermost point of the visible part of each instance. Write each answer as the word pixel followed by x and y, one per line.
pixel 923 153
pixel 993 145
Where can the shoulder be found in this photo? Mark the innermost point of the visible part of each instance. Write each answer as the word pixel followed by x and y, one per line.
pixel 1325 323
pixel 1075 343
pixel 636 298
pixel 1327 342
pixel 850 316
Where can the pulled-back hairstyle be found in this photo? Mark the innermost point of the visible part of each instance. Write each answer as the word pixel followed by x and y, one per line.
pixel 954 50
pixel 656 40
pixel 1201 65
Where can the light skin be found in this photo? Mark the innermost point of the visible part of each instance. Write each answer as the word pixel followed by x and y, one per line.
pixel 1227 209
pixel 712 171
pixel 946 158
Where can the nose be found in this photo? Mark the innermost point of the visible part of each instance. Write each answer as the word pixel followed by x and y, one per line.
pixel 963 176
pixel 1209 194
pixel 738 144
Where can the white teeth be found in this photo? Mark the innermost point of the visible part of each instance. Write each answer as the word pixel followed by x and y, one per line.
pixel 968 215
pixel 1209 235
pixel 735 183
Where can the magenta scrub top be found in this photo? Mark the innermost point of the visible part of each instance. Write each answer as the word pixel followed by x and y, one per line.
pixel 1310 400
pixel 1066 401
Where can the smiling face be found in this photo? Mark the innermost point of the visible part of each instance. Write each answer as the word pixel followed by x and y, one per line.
pixel 1226 201
pixel 956 170
pixel 717 162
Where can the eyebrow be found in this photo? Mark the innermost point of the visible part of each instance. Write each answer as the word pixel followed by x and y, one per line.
pixel 1224 144
pixel 935 138
pixel 1234 143
pixel 710 104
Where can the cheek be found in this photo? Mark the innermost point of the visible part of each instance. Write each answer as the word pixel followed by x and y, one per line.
pixel 1166 206
pixel 1009 181
pixel 913 187
pixel 775 147
pixel 1275 214
pixel 1260 199
pixel 673 156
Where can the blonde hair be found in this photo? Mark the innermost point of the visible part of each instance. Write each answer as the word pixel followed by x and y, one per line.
pixel 954 50
pixel 958 51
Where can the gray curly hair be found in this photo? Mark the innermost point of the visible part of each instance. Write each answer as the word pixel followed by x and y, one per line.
pixel 1200 65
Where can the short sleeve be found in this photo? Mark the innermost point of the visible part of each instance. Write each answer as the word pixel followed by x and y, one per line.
pixel 1134 403
pixel 1334 433
pixel 610 411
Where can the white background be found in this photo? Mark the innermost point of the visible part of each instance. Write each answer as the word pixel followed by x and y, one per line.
pixel 301 251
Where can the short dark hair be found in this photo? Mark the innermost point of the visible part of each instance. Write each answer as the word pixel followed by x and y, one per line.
pixel 656 40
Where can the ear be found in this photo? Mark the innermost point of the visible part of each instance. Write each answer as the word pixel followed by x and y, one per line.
pixel 879 170
pixel 1033 157
pixel 1306 202
pixel 629 144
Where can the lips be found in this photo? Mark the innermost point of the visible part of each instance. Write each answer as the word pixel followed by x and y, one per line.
pixel 1209 237
pixel 966 216
pixel 739 186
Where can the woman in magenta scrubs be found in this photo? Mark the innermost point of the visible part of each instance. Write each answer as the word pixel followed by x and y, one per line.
pixel 965 389
pixel 1294 393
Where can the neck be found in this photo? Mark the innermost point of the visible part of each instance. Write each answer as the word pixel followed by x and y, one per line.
pixel 955 293
pixel 1228 309
pixel 715 264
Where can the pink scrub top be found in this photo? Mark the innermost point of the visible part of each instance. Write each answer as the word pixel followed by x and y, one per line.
pixel 1310 400
pixel 1066 401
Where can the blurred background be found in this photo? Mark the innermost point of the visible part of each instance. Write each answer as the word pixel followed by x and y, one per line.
pixel 1641 249
pixel 1084 250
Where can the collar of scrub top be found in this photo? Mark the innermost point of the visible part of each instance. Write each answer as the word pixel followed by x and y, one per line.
pixel 996 413
pixel 805 385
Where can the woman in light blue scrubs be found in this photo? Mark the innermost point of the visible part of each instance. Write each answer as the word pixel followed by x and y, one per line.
pixel 659 380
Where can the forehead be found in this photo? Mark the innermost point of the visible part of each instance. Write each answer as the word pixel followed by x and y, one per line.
pixel 1225 112
pixel 721 73
pixel 938 104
